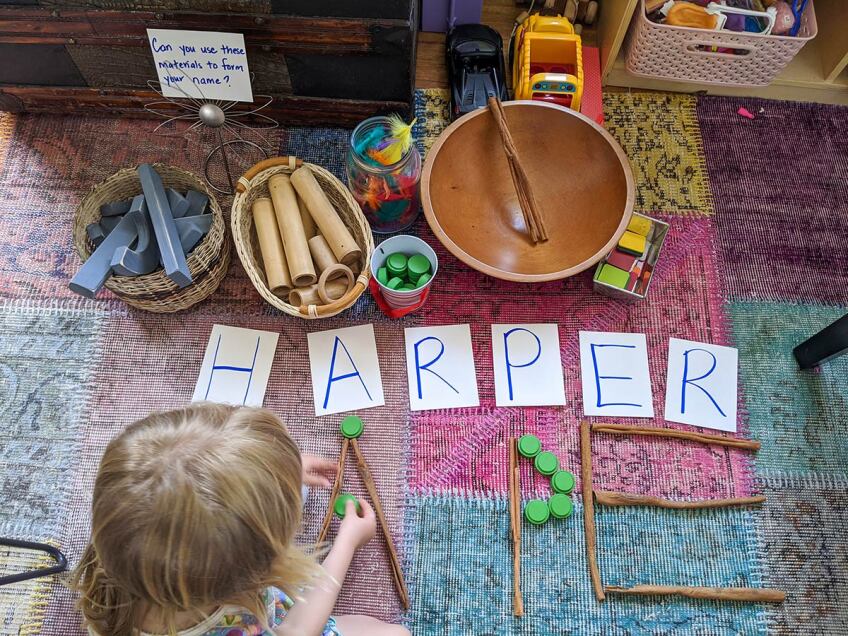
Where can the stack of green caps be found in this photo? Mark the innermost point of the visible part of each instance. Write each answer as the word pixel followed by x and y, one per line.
pixel 559 506
pixel 405 274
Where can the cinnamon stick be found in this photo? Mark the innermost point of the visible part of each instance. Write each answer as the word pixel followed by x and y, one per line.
pixel 337 486
pixel 607 498
pixel 530 207
pixel 752 594
pixel 515 526
pixel 589 507
pixel 704 438
pixel 371 487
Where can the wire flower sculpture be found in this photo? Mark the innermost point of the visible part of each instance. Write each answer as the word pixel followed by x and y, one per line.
pixel 219 116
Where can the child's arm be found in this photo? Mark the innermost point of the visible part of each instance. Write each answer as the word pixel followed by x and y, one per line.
pixel 309 616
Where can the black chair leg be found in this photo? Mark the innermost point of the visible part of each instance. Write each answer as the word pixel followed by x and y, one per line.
pixel 825 345
pixel 61 561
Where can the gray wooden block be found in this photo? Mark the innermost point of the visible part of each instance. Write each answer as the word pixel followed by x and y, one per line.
pixel 178 203
pixel 96 234
pixel 109 223
pixel 115 208
pixel 170 248
pixel 94 272
pixel 192 229
pixel 144 257
pixel 197 202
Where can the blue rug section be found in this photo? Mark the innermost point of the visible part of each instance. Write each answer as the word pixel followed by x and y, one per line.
pixel 461 566
pixel 799 416
pixel 326 147
pixel 45 361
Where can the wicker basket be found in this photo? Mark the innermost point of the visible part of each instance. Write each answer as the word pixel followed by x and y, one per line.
pixel 669 52
pixel 208 261
pixel 254 184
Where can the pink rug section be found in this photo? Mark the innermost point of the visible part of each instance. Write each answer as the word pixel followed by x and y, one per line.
pixel 465 450
pixel 592 104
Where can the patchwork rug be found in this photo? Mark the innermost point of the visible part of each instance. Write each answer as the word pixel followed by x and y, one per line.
pixel 756 258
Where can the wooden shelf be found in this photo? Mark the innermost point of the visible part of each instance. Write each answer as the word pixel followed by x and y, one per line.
pixel 818 73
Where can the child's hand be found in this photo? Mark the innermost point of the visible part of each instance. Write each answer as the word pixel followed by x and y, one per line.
pixel 317 471
pixel 356 530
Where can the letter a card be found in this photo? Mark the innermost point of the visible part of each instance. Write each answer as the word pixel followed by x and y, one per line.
pixel 345 370
pixel 440 368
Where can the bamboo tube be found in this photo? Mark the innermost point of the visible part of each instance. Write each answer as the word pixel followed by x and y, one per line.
pixel 371 487
pixel 306 218
pixel 271 246
pixel 704 438
pixel 626 499
pixel 305 296
pixel 291 229
pixel 323 256
pixel 515 527
pixel 589 508
pixel 752 594
pixel 337 487
pixel 338 237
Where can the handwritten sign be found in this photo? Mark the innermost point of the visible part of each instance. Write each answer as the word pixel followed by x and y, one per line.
pixel 201 64
pixel 528 367
pixel 614 371
pixel 345 370
pixel 440 367
pixel 236 366
pixel 701 387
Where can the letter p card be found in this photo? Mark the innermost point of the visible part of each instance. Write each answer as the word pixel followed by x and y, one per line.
pixel 528 366
pixel 345 370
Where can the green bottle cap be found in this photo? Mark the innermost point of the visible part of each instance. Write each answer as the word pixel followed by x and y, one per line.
pixel 418 265
pixel 407 287
pixel 352 426
pixel 383 275
pixel 536 511
pixel 395 283
pixel 423 280
pixel 340 504
pixel 546 463
pixel 560 506
pixel 396 263
pixel 529 446
pixel 563 481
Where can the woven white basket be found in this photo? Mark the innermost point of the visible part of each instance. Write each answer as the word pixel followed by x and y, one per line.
pixel 254 184
pixel 668 52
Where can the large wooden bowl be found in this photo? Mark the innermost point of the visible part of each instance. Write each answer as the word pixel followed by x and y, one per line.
pixel 579 174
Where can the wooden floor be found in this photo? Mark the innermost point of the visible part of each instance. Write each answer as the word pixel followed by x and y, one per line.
pixel 430 70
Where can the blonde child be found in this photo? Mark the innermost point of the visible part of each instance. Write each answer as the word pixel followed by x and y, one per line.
pixel 194 517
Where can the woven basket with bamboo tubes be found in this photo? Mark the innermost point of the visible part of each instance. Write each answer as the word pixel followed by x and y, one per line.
pixel 254 184
pixel 208 261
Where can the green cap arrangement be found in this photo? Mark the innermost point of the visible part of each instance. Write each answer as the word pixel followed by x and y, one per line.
pixel 559 506
pixel 405 273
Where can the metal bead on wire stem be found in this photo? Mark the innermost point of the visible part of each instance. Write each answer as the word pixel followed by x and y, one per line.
pixel 220 116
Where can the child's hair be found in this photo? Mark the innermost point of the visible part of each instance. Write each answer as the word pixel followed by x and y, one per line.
pixel 193 507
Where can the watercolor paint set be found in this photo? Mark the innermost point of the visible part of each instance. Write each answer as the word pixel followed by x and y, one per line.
pixel 627 271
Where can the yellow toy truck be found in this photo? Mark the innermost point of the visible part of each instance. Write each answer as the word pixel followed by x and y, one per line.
pixel 547 62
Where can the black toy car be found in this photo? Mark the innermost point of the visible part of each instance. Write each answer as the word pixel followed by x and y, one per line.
pixel 475 67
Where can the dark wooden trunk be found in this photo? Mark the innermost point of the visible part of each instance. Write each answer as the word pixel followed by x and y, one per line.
pixel 323 61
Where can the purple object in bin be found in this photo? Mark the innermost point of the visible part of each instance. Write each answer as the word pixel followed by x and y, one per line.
pixel 441 15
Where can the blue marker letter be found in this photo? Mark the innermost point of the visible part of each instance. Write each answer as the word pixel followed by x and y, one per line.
pixel 426 367
pixel 599 377
pixel 686 380
pixel 509 366
pixel 336 342
pixel 224 367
